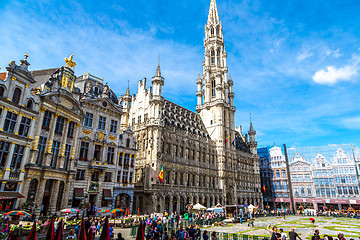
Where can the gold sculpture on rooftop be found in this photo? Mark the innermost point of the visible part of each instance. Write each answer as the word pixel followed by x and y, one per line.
pixel 70 63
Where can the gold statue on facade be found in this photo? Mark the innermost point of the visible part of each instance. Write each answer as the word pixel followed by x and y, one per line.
pixel 70 63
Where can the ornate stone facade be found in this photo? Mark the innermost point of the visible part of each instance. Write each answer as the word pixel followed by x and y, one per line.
pixel 205 159
pixel 19 108
pixel 61 141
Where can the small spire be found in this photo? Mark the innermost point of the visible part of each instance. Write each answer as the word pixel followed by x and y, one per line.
pixel 158 72
pixel 213 13
pixel 251 125
pixel 128 89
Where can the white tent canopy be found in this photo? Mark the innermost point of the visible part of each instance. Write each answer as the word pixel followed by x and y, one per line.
pixel 251 208
pixel 198 206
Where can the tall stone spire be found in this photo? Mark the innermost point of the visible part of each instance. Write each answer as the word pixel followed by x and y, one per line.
pixel 213 13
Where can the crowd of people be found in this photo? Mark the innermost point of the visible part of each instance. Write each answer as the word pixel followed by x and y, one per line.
pixel 281 235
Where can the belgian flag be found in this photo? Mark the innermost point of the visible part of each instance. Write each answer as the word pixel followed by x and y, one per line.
pixel 161 174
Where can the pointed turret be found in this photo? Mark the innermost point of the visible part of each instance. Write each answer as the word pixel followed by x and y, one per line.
pixel 252 141
pixel 158 72
pixel 157 81
pixel 213 13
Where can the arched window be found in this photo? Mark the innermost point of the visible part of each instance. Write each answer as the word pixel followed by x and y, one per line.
pixel 96 90
pixel 218 56
pixel 30 104
pixel 213 56
pixel 128 143
pixel 2 90
pixel 16 95
pixel 213 91
pixel 212 31
pixel 218 31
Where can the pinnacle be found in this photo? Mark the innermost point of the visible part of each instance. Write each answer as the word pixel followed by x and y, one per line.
pixel 213 13
pixel 158 72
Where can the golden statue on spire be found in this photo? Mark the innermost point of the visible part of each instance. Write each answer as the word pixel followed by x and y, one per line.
pixel 70 63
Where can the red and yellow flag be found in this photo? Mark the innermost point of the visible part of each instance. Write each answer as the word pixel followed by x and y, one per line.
pixel 161 174
pixel 264 188
pixel 227 139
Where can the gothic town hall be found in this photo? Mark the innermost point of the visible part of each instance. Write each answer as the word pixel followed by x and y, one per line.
pixel 205 159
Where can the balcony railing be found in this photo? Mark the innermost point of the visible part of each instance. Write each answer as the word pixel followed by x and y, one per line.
pixel 14 175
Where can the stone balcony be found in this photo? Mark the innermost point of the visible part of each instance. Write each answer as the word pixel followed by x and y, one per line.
pixel 98 164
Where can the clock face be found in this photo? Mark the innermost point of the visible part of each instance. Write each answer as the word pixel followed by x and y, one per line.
pixel 104 104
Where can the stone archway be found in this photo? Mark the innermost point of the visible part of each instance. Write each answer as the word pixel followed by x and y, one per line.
pixel 182 204
pixel 123 201
pixel 174 204
pixel 167 203
pixel 32 190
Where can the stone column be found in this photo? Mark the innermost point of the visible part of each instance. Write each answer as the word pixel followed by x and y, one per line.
pixel 50 140
pixel 39 195
pixel 171 204
pixel 54 197
pixel 60 163
pixel 66 193
pixel 36 134
pixel 24 189
pixel 8 161
pixel 178 204
pixel 74 145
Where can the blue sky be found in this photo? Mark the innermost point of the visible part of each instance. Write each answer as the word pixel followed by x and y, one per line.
pixel 295 64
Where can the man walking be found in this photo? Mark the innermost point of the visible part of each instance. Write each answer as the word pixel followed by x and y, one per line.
pixel 293 235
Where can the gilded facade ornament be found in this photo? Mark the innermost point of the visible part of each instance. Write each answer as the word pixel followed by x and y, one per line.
pixel 70 63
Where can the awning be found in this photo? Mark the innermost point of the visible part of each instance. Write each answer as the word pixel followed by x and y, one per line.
pixel 79 193
pixel 10 195
pixel 107 194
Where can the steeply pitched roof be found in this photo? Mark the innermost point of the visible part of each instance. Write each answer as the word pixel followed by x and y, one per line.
pixel 183 119
pixel 42 76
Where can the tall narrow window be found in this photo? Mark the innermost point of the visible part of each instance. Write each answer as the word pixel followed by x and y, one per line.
pixel 41 150
pixel 24 126
pixel 88 119
pixel 120 159
pixel 17 156
pixel 67 155
pixel 213 91
pixel 47 120
pixel 213 56
pixel 84 150
pixel 16 96
pixel 113 126
pixel 70 133
pixel 102 123
pixel 10 121
pixel 59 125
pixel 97 153
pixel 128 143
pixel 4 152
pixel 126 160
pixel 55 152
pixel 110 157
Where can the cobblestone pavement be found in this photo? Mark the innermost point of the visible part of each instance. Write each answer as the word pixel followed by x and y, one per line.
pixel 302 225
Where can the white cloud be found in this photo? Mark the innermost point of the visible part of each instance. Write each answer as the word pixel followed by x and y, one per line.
pixel 304 55
pixel 352 123
pixel 332 74
pixel 334 53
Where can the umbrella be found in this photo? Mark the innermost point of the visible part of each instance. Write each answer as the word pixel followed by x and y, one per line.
pixel 82 232
pixel 59 230
pixel 140 232
pixel 105 233
pixel 18 213
pixel 198 206
pixel 32 235
pixel 311 219
pixel 51 231
pixel 105 210
pixel 116 210
pixel 69 210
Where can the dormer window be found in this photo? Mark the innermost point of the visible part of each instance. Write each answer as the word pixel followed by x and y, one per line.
pixel 16 96
pixel 30 104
